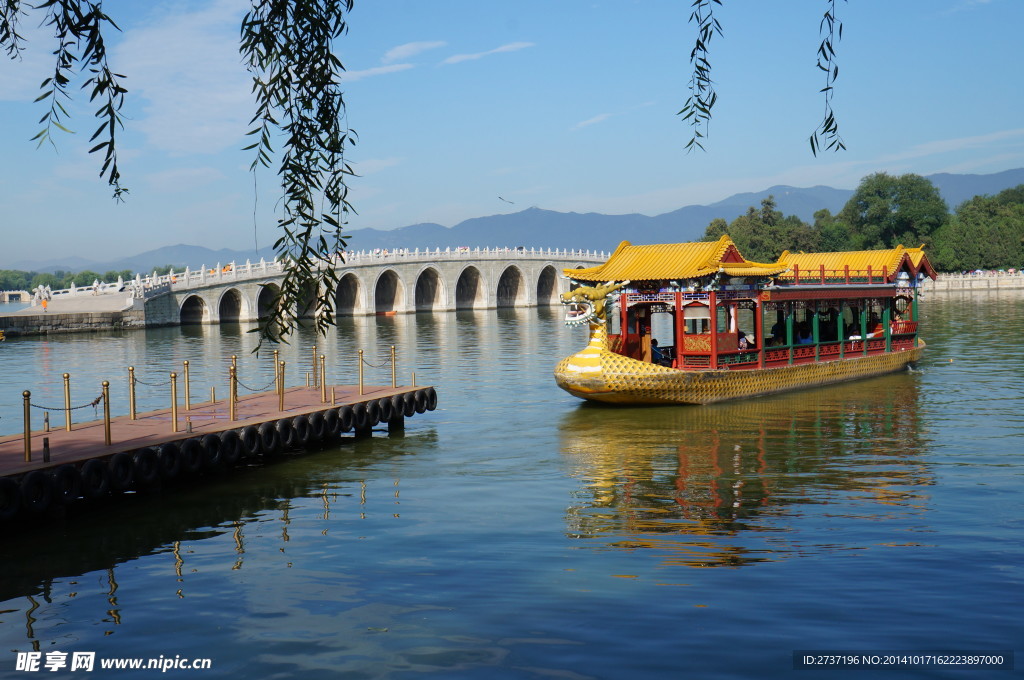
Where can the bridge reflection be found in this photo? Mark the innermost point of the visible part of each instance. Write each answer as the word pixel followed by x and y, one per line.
pixel 720 485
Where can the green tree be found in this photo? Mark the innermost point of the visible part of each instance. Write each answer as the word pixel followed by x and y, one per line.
pixel 762 235
pixel 886 211
pixel 46 279
pixel 112 275
pixel 833 235
pixel 986 232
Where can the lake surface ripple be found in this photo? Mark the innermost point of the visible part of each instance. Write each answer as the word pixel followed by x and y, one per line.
pixel 517 532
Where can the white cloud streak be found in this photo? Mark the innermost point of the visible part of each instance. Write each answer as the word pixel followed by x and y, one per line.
pixel 409 50
pixel 510 47
pixel 353 76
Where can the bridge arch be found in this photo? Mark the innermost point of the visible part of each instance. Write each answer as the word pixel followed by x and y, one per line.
pixel 547 286
pixel 469 289
pixel 232 307
pixel 194 310
pixel 266 299
pixel 349 298
pixel 430 290
pixel 388 292
pixel 511 288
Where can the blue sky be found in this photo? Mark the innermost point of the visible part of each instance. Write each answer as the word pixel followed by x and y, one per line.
pixel 566 105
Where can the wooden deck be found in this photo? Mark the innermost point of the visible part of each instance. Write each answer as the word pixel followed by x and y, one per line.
pixel 85 441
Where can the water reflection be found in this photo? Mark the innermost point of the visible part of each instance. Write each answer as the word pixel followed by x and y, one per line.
pixel 707 486
pixel 190 534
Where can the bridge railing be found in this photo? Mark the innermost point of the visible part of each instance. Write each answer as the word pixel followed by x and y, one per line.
pixel 156 284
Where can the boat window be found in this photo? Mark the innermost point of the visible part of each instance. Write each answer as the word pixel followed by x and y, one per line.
pixel 697 318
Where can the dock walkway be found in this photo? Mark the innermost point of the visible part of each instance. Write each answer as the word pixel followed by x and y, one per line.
pixel 147 450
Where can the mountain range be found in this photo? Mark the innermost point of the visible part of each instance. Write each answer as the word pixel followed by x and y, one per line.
pixel 539 228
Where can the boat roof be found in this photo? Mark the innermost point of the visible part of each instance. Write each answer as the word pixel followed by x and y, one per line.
pixel 675 261
pixel 857 263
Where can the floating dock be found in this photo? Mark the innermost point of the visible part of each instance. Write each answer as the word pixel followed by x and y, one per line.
pixel 43 470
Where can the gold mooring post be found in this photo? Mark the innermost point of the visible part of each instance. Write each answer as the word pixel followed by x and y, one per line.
pixel 277 373
pixel 360 371
pixel 323 380
pixel 213 394
pixel 413 379
pixel 174 402
pixel 27 397
pixel 131 392
pixel 314 366
pixel 106 412
pixel 67 402
pixel 188 396
pixel 280 391
pixel 394 374
pixel 232 395
pixel 334 396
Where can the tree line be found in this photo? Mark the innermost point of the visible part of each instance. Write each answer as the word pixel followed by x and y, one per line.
pixel 985 232
pixel 16 279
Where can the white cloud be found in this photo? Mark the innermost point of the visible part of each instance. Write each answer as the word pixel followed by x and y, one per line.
pixel 510 47
pixel 408 50
pixel 372 165
pixel 352 76
pixel 591 121
pixel 187 68
pixel 184 179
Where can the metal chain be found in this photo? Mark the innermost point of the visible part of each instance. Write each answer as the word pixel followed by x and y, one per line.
pixel 93 403
pixel 386 362
pixel 143 382
pixel 262 389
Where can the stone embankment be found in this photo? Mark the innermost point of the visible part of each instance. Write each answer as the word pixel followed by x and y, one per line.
pixel 985 280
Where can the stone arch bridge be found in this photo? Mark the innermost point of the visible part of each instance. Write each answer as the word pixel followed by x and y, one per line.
pixel 380 282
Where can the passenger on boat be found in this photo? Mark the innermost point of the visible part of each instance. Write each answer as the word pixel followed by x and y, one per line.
pixel 803 333
pixel 657 356
pixel 743 343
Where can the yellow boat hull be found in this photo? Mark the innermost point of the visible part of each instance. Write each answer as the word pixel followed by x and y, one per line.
pixel 599 374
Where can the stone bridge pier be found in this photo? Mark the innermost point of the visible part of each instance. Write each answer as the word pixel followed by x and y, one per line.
pixel 377 283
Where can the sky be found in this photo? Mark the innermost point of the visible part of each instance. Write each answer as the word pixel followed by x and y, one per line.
pixel 466 108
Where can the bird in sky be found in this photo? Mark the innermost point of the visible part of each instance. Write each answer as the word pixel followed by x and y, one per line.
pixel 506 200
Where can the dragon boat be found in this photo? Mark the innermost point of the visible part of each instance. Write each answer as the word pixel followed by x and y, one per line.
pixel 696 323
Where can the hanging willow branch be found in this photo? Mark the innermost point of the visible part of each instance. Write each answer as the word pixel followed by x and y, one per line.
pixel 697 109
pixel 288 48
pixel 827 132
pixel 81 51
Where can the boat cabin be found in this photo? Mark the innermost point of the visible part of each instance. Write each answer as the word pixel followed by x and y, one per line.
pixel 700 306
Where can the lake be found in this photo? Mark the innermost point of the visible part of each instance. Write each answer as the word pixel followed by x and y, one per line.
pixel 516 532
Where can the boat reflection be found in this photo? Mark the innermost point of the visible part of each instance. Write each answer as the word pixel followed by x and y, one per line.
pixel 728 484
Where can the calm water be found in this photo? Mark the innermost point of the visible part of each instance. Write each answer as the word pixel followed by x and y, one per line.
pixel 519 533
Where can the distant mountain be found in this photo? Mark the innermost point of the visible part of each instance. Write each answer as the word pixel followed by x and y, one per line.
pixel 539 228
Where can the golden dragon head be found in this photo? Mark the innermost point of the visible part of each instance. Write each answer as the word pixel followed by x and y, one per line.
pixel 586 304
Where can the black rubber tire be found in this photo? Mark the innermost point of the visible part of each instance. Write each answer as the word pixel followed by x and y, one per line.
pixel 251 441
pixel 360 419
pixel 421 401
pixel 385 410
pixel 212 457
pixel 270 440
pixel 170 460
pixel 191 455
pixel 95 479
pixel 372 413
pixel 147 467
pixel 230 447
pixel 431 399
pixel 67 484
pixel 409 404
pixel 317 427
pixel 345 419
pixel 37 491
pixel 286 430
pixel 122 471
pixel 303 436
pixel 10 499
pixel 332 424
